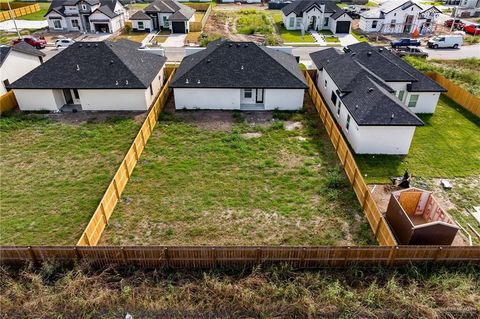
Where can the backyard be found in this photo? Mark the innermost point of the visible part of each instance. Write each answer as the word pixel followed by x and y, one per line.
pixel 54 170
pixel 222 178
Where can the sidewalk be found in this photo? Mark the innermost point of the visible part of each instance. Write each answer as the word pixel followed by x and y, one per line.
pixel 318 38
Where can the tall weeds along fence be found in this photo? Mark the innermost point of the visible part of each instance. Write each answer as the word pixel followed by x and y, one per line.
pixel 197 26
pixel 92 233
pixel 375 218
pixel 20 10
pixel 201 257
pixel 457 93
pixel 8 102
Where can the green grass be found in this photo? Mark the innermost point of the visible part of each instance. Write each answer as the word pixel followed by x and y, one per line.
pixel 137 6
pixel 54 174
pixel 371 4
pixel 197 186
pixel 359 37
pixel 424 291
pixel 132 36
pixel 39 15
pixel 331 40
pixel 8 37
pixel 290 36
pixel 464 72
pixel 251 21
pixel 447 146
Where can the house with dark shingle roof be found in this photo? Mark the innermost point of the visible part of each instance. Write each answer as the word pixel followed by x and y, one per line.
pixel 230 75
pixel 16 61
pixel 164 15
pixel 316 15
pixel 106 16
pixel 93 76
pixel 374 95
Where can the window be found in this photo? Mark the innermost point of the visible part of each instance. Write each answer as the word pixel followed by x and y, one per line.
pixel 339 106
pixel 333 98
pixel 140 25
pixel 165 21
pixel 395 14
pixel 413 100
pixel 247 93
pixel 57 24
pixel 392 23
pixel 6 83
pixel 325 23
pixel 401 93
pixel 75 23
pixel 374 24
pixel 299 22
pixel 325 83
pixel 348 122
pixel 151 90
pixel 292 22
pixel 75 94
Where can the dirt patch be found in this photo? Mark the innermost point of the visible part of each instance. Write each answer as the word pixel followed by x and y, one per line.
pixel 252 135
pixel 292 126
pixel 223 24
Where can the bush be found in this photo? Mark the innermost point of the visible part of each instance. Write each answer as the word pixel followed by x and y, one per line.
pixel 334 179
pixel 128 28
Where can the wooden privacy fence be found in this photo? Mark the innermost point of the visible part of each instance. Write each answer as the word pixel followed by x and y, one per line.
pixel 197 26
pixel 457 93
pixel 375 218
pixel 8 102
pixel 92 233
pixel 21 10
pixel 228 257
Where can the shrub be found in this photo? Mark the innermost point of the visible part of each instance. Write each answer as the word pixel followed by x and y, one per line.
pixel 334 179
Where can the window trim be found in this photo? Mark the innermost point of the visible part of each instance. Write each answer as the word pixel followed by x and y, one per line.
pixel 347 125
pixel 291 22
pixel 339 107
pixel 325 84
pixel 75 94
pixel 55 26
pixel 410 100
pixel 401 95
pixel 249 91
pixel 151 90
pixel 140 25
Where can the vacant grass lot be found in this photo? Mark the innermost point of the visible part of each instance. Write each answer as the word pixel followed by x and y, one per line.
pixel 234 183
pixel 53 175
pixel 252 21
pixel 447 146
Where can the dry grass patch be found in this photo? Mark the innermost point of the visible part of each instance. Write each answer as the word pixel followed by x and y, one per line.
pixel 199 184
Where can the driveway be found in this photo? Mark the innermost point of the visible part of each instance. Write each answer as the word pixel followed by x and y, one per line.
pixel 22 24
pixel 175 40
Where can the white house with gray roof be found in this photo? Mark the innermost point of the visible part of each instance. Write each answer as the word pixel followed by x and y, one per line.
pixel 93 76
pixel 316 15
pixel 16 61
pixel 163 15
pixel 106 16
pixel 400 16
pixel 374 95
pixel 239 76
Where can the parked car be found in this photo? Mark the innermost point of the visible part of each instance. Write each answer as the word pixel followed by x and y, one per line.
pixel 415 51
pixel 446 41
pixel 457 24
pixel 39 43
pixel 64 43
pixel 473 29
pixel 405 42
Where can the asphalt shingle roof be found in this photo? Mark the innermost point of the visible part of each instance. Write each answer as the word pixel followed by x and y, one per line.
pixel 95 65
pixel 180 11
pixel 140 15
pixel 227 64
pixel 19 47
pixel 300 6
pixel 363 92
pixel 106 6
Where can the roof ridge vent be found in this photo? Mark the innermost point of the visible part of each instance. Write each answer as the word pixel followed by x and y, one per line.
pixel 353 53
pixel 209 60
pixel 230 45
pixel 380 49
pixel 96 45
pixel 246 45
pixel 80 45
pixel 126 82
pixel 186 81
pixel 370 90
pixel 116 82
pixel 238 45
pixel 369 53
pixel 78 67
pixel 393 115
pixel 111 61
pixel 88 45
pixel 198 81
pixel 242 68
pixel 356 106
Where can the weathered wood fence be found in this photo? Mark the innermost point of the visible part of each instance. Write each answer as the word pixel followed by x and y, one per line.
pixel 197 26
pixel 18 10
pixel 92 233
pixel 227 257
pixel 8 102
pixel 375 218
pixel 457 93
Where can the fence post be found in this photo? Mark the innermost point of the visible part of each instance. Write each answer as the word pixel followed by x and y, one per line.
pixel 135 150
pixel 439 250
pixel 86 238
pixel 126 168
pixel 391 255
pixel 165 254
pixel 116 188
pixel 77 253
pixel 32 255
pixel 124 255
pixel 102 207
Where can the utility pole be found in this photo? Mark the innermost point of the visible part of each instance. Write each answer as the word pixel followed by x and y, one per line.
pixel 13 18
pixel 455 16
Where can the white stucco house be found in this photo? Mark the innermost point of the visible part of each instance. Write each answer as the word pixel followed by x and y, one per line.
pixel 163 15
pixel 239 76
pixel 467 8
pixel 374 95
pixel 316 15
pixel 16 61
pixel 107 16
pixel 93 76
pixel 400 16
